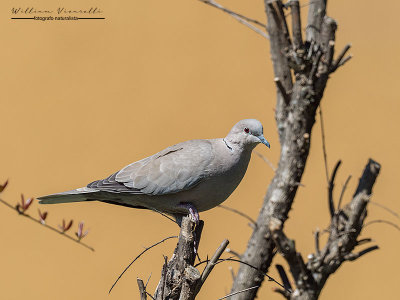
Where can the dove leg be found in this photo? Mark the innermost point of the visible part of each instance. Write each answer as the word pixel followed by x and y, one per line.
pixel 192 211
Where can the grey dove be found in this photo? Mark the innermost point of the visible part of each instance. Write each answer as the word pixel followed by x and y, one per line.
pixel 188 177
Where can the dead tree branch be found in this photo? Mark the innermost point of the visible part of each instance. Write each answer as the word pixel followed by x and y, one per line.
pixel 23 207
pixel 137 257
pixel 311 64
pixel 311 277
pixel 179 277
pixel 246 21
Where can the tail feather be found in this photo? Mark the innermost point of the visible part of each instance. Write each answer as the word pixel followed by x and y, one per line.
pixel 78 195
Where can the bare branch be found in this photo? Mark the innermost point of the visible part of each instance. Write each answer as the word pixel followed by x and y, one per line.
pixel 240 18
pixel 316 238
pixel 179 277
pixel 266 160
pixel 137 257
pixel 238 292
pixel 383 222
pixel 342 192
pixel 354 256
pixel 211 264
pixel 228 250
pixel 339 59
pixel 324 145
pixel 345 60
pixel 385 208
pixel 330 189
pixel 284 278
pixel 40 222
pixel 242 214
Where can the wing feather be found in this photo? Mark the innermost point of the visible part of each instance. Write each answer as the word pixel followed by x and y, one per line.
pixel 177 168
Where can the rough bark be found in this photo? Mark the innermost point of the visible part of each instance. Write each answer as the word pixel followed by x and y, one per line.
pixel 344 230
pixel 179 277
pixel 311 63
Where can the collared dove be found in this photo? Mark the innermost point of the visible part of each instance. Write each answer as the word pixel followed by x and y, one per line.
pixel 188 177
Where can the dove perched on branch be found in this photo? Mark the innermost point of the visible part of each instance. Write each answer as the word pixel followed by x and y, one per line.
pixel 186 178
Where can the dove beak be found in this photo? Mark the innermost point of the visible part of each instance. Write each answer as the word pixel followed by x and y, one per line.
pixel 264 141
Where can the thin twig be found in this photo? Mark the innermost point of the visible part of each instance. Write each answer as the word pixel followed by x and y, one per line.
pixel 229 250
pixel 45 225
pixel 147 282
pixel 239 213
pixel 317 247
pixel 284 277
pixel 354 256
pixel 266 160
pixel 148 294
pixel 331 187
pixel 240 18
pixel 238 292
pixel 339 60
pixel 385 208
pixel 345 60
pixel 164 215
pixel 253 267
pixel 324 144
pixel 137 257
pixel 211 264
pixel 342 192
pixel 382 221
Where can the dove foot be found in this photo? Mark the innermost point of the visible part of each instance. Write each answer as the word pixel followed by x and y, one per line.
pixel 192 212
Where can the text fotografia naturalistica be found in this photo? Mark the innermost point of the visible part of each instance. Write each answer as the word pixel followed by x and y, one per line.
pixel 58 11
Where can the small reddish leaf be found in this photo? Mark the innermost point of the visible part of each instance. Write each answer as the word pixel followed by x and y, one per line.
pixel 2 187
pixel 28 203
pixel 69 225
pixel 42 216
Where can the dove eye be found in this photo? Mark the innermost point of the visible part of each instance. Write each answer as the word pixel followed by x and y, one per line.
pixel 246 130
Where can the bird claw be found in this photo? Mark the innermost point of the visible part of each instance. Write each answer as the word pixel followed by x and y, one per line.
pixel 192 212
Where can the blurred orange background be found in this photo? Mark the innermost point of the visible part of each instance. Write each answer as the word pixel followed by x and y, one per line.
pixel 81 99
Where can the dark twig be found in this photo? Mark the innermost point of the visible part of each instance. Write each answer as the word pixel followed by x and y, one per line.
pixel 345 60
pixel 253 267
pixel 316 238
pixel 385 208
pixel 240 18
pixel 45 225
pixel 238 292
pixel 342 192
pixel 239 213
pixel 137 257
pixel 330 189
pixel 363 241
pixel 382 221
pixel 354 256
pixel 284 277
pixel 339 59
pixel 324 144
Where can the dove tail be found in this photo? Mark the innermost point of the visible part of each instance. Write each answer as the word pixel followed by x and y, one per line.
pixel 78 195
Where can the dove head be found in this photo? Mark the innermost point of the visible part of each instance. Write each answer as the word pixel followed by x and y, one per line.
pixel 247 133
